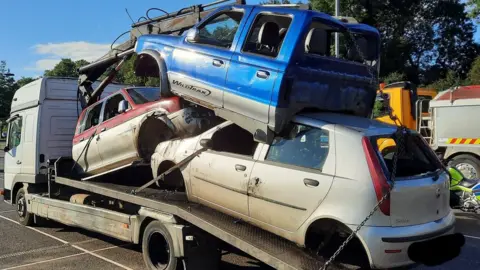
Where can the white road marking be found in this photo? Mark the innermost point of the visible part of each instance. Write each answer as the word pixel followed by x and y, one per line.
pixel 64 257
pixel 74 246
pixel 473 237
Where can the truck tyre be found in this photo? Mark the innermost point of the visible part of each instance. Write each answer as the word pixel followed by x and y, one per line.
pixel 468 165
pixel 24 217
pixel 157 248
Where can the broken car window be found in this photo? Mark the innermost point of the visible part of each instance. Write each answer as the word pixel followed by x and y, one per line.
pixel 220 31
pixel 234 139
pixel 93 116
pixel 144 95
pixel 111 107
pixel 304 146
pixel 267 34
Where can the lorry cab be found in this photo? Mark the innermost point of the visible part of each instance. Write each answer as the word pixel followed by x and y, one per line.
pixel 40 128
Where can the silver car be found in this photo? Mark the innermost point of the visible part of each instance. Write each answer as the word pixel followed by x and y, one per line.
pixel 317 182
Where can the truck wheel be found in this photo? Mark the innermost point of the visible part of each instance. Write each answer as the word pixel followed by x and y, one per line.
pixel 24 217
pixel 157 248
pixel 468 165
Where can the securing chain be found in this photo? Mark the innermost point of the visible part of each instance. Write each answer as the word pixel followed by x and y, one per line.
pixel 400 135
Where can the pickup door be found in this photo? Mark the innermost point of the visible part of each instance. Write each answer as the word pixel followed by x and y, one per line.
pixel 199 67
pixel 257 63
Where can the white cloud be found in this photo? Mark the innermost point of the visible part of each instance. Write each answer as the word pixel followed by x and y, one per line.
pixel 52 53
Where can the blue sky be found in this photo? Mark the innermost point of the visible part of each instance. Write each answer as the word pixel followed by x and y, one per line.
pixel 35 34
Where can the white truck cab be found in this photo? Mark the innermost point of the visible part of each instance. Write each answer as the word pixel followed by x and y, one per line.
pixel 40 127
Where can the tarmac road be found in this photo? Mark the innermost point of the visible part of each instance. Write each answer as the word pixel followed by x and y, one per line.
pixel 50 245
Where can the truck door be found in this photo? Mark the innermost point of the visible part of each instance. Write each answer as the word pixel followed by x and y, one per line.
pixel 256 65
pixel 199 67
pixel 14 146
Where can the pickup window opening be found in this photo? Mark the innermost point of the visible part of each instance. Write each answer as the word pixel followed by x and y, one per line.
pixel 320 41
pixel 111 106
pixel 234 139
pixel 267 34
pixel 301 146
pixel 92 118
pixel 220 30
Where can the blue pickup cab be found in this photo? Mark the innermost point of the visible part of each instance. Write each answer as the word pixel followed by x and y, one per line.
pixel 260 65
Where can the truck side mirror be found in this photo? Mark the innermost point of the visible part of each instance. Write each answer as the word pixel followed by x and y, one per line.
pixel 122 106
pixel 6 148
pixel 193 35
pixel 206 143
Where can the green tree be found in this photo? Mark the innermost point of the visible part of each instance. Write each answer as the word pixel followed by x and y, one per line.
pixel 7 89
pixel 474 73
pixel 418 37
pixel 126 75
pixel 66 68
pixel 23 81
pixel 451 80
pixel 474 9
pixel 394 77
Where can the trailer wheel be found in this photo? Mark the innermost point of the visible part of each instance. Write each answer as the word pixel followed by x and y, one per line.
pixel 24 217
pixel 468 165
pixel 157 248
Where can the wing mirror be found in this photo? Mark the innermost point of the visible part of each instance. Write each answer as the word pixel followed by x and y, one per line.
pixel 193 35
pixel 122 106
pixel 6 148
pixel 206 143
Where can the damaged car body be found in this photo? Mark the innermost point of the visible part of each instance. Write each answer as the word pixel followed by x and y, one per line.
pixel 124 128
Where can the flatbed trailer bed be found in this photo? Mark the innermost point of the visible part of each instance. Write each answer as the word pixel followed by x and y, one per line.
pixel 264 246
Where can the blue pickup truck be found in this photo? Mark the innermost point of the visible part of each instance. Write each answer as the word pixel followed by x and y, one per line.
pixel 260 65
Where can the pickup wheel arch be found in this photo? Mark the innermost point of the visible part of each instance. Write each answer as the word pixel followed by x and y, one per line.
pixel 149 63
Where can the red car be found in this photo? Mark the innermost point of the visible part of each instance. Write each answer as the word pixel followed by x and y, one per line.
pixel 124 128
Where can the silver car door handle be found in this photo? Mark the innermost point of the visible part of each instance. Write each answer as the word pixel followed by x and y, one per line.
pixel 217 63
pixel 310 182
pixel 263 74
pixel 239 168
pixel 19 162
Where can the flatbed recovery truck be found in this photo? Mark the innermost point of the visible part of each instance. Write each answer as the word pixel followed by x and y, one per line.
pixel 190 231
pixel 172 231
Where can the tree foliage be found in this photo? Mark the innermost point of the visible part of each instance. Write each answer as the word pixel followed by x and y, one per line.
pixel 422 39
pixel 66 68
pixel 474 74
pixel 23 81
pixel 7 89
pixel 474 9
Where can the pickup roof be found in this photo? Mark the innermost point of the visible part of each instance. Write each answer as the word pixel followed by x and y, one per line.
pixel 260 65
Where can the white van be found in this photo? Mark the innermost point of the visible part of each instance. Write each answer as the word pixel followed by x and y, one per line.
pixel 41 126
